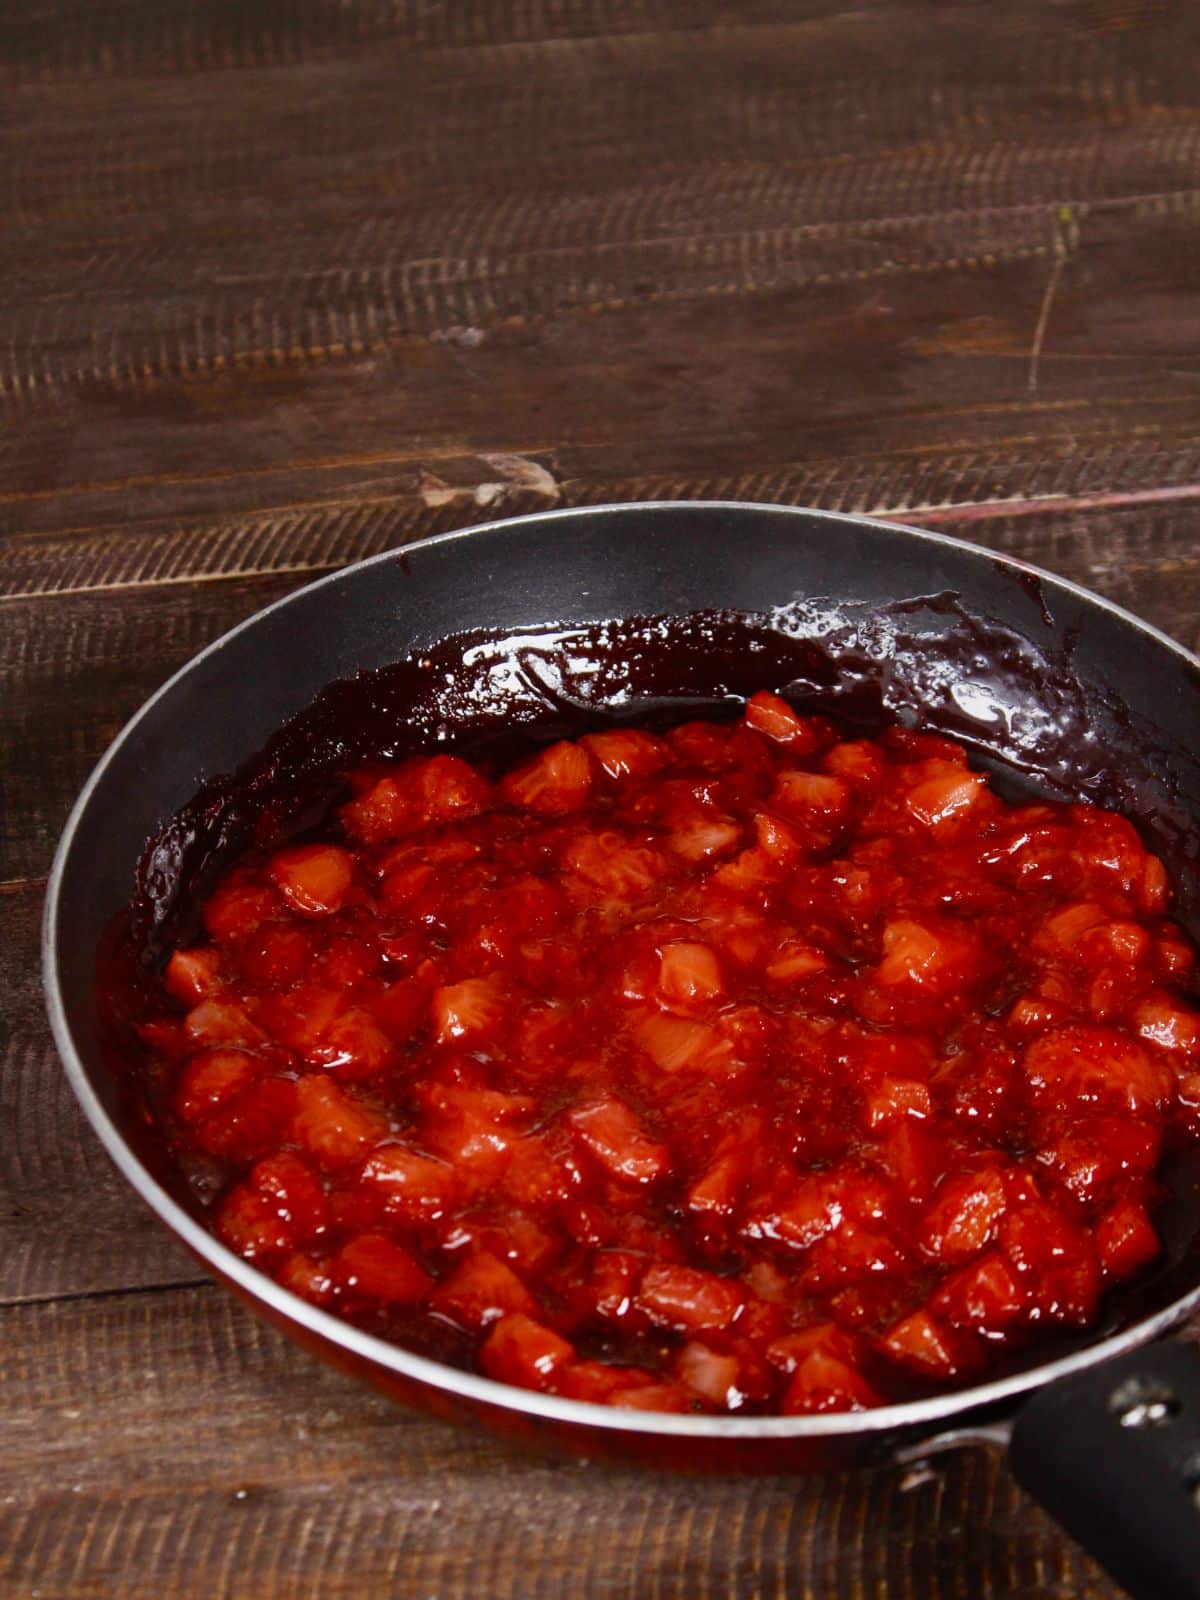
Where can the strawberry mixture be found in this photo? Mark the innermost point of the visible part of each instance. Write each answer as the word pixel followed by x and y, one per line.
pixel 741 1067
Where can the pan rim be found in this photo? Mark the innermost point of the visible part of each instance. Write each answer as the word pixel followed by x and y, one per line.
pixel 927 1413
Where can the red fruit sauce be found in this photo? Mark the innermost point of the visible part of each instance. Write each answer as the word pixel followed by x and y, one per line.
pixel 739 1067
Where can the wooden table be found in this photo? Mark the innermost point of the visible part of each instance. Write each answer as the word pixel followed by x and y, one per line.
pixel 288 282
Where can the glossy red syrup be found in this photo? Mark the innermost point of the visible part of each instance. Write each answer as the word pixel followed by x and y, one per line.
pixel 740 1067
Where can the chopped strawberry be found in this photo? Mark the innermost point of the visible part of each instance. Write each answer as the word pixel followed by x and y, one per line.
pixel 474 1006
pixel 1168 1023
pixel 415 1188
pixel 930 1347
pixel 987 1295
pixel 216 1022
pixel 674 1042
pixel 250 1225
pixel 965 1215
pixel 606 862
pixel 1077 1066
pixel 449 789
pixel 687 1299
pixel 332 1125
pixel 652 1397
pixel 1126 1240
pixel 689 974
pixel 815 797
pixel 376 1268
pixel 615 1138
pixel 521 1351
pixel 1057 1258
pixel 822 1382
pixel 891 1098
pixel 626 753
pixel 795 962
pixel 712 1374
pixel 704 836
pixel 193 975
pixel 307 1277
pixel 482 1290
pixel 354 1047
pixel 295 1193
pixel 314 879
pixel 213 1080
pixel 553 784
pixel 599 1381
pixel 944 803
pixel 771 716
pixel 234 912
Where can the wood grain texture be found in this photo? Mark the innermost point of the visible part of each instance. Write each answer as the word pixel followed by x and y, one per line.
pixel 287 282
pixel 193 1453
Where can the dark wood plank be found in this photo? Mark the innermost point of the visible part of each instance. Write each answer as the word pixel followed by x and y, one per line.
pixel 70 1224
pixel 169 1444
pixel 572 174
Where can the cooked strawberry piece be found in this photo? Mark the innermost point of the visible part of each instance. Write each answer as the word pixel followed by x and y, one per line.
pixel 521 1351
pixel 606 862
pixel 331 1125
pixel 250 1225
pixel 704 836
pixel 474 1006
pixel 354 1047
pixel 213 1080
pixel 401 1008
pixel 1168 1023
pixel 193 975
pixel 987 1295
pixel 914 1156
pixel 626 753
pixel 449 789
pixel 685 1298
pixel 307 1277
pixel 553 784
pixel 674 1042
pixel 718 1191
pixel 945 802
pixel 771 716
pixel 653 1397
pixel 822 1382
pixel 815 797
pixel 374 1267
pixel 1057 1258
pixel 891 1098
pixel 919 956
pixel 314 879
pixel 1125 1240
pixel 1078 1066
pixel 598 1381
pixel 689 974
pixel 251 1125
pixel 1091 1158
pixel 280 955
pixel 795 962
pixel 537 1176
pixel 931 1347
pixel 415 1188
pixel 965 1215
pixel 384 810
pixel 472 1128
pixel 234 912
pixel 215 1022
pixel 712 1374
pixel 295 1193
pixel 614 1137
pixel 482 1290
pixel 857 762
pixel 609 1288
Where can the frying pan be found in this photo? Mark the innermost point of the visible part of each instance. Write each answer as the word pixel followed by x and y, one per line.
pixel 1039 677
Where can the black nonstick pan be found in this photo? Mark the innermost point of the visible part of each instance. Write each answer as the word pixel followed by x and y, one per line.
pixel 1054 689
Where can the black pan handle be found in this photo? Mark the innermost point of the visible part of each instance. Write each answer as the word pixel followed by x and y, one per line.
pixel 1113 1454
